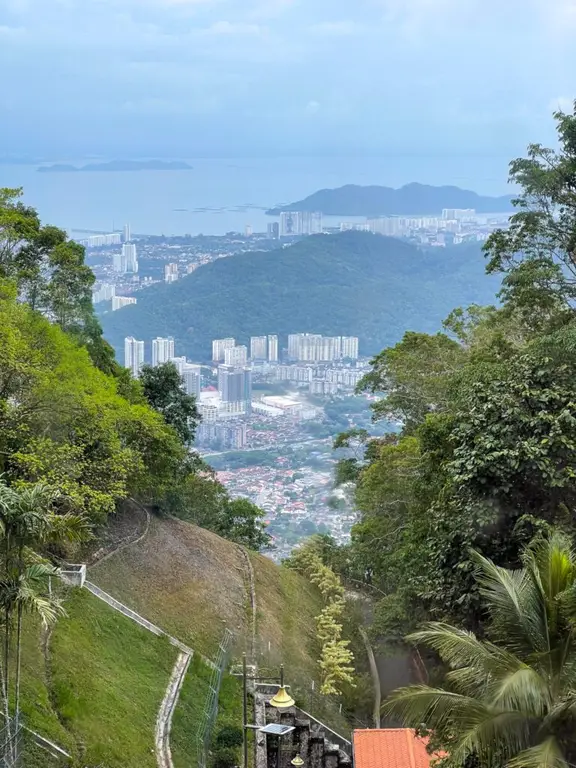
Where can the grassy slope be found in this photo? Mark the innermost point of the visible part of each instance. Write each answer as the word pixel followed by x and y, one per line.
pixel 189 712
pixel 108 679
pixel 187 580
pixel 191 583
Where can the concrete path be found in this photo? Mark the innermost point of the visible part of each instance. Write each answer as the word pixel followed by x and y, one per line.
pixel 164 720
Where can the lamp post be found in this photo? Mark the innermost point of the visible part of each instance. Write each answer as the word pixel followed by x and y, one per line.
pixel 280 700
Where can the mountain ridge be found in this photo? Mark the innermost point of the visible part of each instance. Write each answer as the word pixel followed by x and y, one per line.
pixel 353 283
pixel 411 199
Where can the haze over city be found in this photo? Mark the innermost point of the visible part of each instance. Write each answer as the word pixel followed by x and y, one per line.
pixel 226 78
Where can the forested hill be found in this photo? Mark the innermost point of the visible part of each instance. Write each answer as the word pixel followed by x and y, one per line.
pixel 409 200
pixel 353 283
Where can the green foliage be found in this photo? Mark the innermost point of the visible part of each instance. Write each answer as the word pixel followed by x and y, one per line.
pixel 413 376
pixel 375 288
pixel 485 457
pixel 229 736
pixel 162 388
pixel 508 699
pixel 224 757
pixel 336 659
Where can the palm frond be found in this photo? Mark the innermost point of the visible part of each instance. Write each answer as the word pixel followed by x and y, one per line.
pixel 460 648
pixel 493 738
pixel 515 606
pixel 69 527
pixel 435 707
pixel 547 754
pixel 524 690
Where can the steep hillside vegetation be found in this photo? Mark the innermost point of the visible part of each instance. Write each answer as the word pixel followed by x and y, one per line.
pixel 95 684
pixel 352 283
pixel 195 584
pixel 411 199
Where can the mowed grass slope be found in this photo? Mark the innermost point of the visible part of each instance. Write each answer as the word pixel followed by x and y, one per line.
pixel 194 584
pixel 187 580
pixel 99 693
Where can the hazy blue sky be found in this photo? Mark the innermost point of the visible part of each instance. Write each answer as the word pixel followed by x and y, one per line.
pixel 230 77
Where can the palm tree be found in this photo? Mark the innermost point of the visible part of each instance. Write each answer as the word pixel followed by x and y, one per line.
pixel 508 700
pixel 28 521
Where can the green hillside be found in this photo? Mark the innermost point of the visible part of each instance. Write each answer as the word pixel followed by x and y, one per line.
pixel 352 283
pixel 95 688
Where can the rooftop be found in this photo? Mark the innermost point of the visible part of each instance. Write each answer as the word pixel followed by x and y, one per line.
pixel 390 748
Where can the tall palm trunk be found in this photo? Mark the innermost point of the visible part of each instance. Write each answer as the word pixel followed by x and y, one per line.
pixel 18 668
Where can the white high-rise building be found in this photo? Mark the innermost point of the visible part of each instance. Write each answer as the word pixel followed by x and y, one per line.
pixel 133 355
pixel 258 347
pixel 180 363
pixel 127 235
pixel 105 292
pixel 314 348
pixel 236 355
pixel 349 347
pixel 192 380
pixel 171 273
pixel 129 259
pixel 122 301
pixel 162 350
pixel 218 347
pixel 273 349
pixel 300 223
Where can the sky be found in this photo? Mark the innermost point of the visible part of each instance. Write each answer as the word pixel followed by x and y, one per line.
pixel 224 78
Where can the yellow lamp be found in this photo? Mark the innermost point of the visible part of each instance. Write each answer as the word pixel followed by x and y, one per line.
pixel 282 699
pixel 297 761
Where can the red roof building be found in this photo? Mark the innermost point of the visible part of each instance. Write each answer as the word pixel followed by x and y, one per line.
pixel 390 748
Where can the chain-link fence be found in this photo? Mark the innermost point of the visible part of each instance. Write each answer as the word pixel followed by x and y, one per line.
pixel 210 712
pixel 11 746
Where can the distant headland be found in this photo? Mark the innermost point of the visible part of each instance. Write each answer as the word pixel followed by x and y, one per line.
pixel 412 199
pixel 118 165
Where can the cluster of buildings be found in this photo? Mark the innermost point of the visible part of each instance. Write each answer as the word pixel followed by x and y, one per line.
pixel 299 223
pixel 162 352
pixel 314 348
pixel 261 348
pixel 454 226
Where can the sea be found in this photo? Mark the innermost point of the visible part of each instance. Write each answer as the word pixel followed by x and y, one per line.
pixel 223 195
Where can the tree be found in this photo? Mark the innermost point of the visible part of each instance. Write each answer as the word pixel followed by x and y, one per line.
pixel 538 250
pixel 28 521
pixel 163 389
pixel 413 377
pixel 49 273
pixel 508 699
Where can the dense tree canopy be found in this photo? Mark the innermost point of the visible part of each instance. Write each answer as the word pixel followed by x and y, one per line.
pixel 162 386
pixel 70 417
pixel 484 458
pixel 509 698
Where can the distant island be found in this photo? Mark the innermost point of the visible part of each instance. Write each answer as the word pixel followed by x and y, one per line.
pixel 412 199
pixel 118 165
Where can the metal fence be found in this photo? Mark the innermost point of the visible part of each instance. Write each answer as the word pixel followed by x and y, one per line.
pixel 11 746
pixel 210 712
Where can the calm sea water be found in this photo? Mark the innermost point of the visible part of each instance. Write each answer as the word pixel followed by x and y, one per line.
pixel 148 199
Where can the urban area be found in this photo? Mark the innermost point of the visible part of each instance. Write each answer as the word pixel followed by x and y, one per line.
pixel 270 408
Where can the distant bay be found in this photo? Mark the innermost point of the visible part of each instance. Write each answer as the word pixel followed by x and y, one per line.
pixel 222 195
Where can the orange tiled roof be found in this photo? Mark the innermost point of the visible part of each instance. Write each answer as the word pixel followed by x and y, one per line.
pixel 390 748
